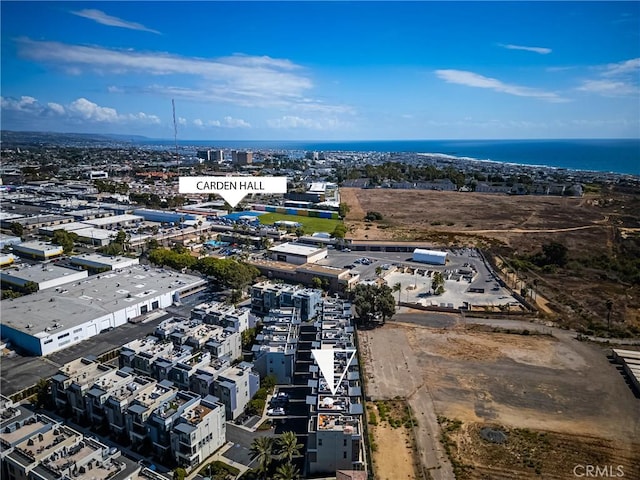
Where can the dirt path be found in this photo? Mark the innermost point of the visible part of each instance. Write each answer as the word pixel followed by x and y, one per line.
pixel 522 230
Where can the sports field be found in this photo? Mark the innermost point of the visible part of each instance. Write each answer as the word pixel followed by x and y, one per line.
pixel 309 224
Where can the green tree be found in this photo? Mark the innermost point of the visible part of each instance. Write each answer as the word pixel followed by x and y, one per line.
pixel 343 209
pixel 17 229
pixel 248 337
pixel 65 240
pixel 262 450
pixel 288 446
pixel 152 244
pixel 372 301
pixel 30 287
pixel 373 216
pixel 316 282
pixel 287 471
pixel 43 393
pixel 179 474
pixel 555 253
pixel 398 288
pixel 339 231
pixel 437 283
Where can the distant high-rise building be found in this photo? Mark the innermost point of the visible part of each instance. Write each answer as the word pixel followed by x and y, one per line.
pixel 204 155
pixel 242 158
pixel 216 156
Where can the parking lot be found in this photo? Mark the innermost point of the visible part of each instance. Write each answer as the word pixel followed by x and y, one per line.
pixel 415 278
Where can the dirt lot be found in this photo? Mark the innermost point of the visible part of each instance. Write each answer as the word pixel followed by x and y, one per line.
pixel 553 385
pixel 599 231
pixel 420 214
pixel 393 451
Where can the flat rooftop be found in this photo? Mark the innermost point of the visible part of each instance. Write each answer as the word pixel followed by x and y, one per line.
pixel 38 274
pixel 95 297
pixel 96 258
pixel 295 249
pixel 114 219
pixel 40 246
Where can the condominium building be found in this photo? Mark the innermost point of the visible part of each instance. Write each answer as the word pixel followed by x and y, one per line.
pixel 266 296
pixel 198 432
pixel 336 440
pixel 235 387
pixel 275 354
pixel 228 316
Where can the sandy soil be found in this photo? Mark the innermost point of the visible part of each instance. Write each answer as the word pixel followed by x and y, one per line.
pixel 549 384
pixel 393 457
pixel 417 215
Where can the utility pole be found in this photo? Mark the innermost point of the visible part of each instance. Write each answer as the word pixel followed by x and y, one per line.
pixel 175 132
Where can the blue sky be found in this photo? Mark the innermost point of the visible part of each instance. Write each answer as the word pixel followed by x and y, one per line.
pixel 323 70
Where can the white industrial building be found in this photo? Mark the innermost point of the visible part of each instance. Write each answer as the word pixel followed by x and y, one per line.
pixel 95 261
pixel 50 320
pixel 116 221
pixel 297 253
pixel 38 250
pixel 433 257
pixel 44 276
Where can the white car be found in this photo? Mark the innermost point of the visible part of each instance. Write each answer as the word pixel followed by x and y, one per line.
pixel 275 411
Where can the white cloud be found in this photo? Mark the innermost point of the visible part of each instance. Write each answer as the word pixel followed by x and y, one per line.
pixel 181 121
pixel 540 50
pixel 249 81
pixel 615 79
pixel 100 17
pixel 80 109
pixel 471 79
pixel 295 122
pixel 93 112
pixel 608 87
pixel 198 123
pixel 628 67
pixel 231 122
pixel 24 103
pixel 56 107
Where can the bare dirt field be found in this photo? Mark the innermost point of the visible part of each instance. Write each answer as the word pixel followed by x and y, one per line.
pixel 393 452
pixel 557 387
pixel 600 233
pixel 420 214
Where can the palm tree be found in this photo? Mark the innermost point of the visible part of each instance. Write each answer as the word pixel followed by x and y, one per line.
pixel 609 305
pixel 398 288
pixel 262 450
pixel 289 446
pixel 287 471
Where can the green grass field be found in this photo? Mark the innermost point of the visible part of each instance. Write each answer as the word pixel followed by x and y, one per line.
pixel 310 224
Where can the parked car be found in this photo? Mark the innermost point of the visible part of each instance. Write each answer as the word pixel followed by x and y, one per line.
pixel 276 411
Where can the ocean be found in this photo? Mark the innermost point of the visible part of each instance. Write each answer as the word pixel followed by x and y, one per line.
pixel 620 156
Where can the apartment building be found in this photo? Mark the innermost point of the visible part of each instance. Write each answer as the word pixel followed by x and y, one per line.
pixel 221 342
pixel 336 440
pixel 59 452
pixel 275 354
pixel 120 399
pixel 235 387
pixel 266 296
pixel 142 407
pixel 228 316
pixel 198 432
pixel 73 380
